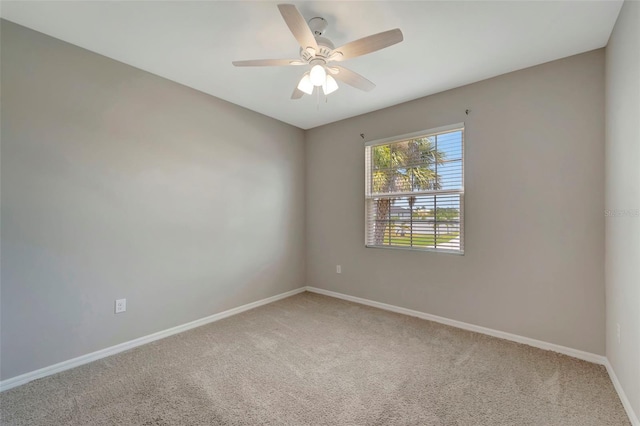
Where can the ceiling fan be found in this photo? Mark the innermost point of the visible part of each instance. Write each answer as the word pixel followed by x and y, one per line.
pixel 319 52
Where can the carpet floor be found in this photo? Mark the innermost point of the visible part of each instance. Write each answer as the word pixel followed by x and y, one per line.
pixel 315 360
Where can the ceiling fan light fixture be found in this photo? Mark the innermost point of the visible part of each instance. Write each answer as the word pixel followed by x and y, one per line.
pixel 318 75
pixel 305 84
pixel 330 85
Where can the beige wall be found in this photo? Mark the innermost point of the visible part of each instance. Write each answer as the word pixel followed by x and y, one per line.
pixel 117 183
pixel 623 200
pixel 534 243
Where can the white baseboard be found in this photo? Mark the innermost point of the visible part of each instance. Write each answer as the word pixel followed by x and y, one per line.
pixel 94 356
pixel 623 396
pixel 586 356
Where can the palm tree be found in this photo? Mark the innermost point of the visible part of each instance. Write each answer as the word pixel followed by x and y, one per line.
pixel 403 167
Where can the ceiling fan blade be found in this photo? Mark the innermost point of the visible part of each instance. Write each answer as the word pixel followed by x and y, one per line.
pixel 297 93
pixel 268 63
pixel 367 45
pixel 352 78
pixel 298 26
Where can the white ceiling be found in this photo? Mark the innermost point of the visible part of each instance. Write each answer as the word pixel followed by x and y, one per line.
pixel 446 44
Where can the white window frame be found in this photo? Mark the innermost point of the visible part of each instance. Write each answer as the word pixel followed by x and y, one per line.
pixel 369 195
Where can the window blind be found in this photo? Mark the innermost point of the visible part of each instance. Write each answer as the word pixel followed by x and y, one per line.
pixel 414 191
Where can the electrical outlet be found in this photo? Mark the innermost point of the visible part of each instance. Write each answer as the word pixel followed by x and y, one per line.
pixel 618 332
pixel 121 305
pixel 338 269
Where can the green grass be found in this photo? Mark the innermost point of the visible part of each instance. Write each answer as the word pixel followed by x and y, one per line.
pixel 419 240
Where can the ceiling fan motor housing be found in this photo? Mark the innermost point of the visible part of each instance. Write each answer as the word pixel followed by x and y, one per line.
pixel 325 48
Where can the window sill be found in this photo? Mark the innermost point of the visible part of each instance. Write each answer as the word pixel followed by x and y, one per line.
pixel 425 249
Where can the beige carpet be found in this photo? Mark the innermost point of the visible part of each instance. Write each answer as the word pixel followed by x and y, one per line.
pixel 315 360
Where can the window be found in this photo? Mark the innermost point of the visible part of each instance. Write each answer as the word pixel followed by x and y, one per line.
pixel 414 191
